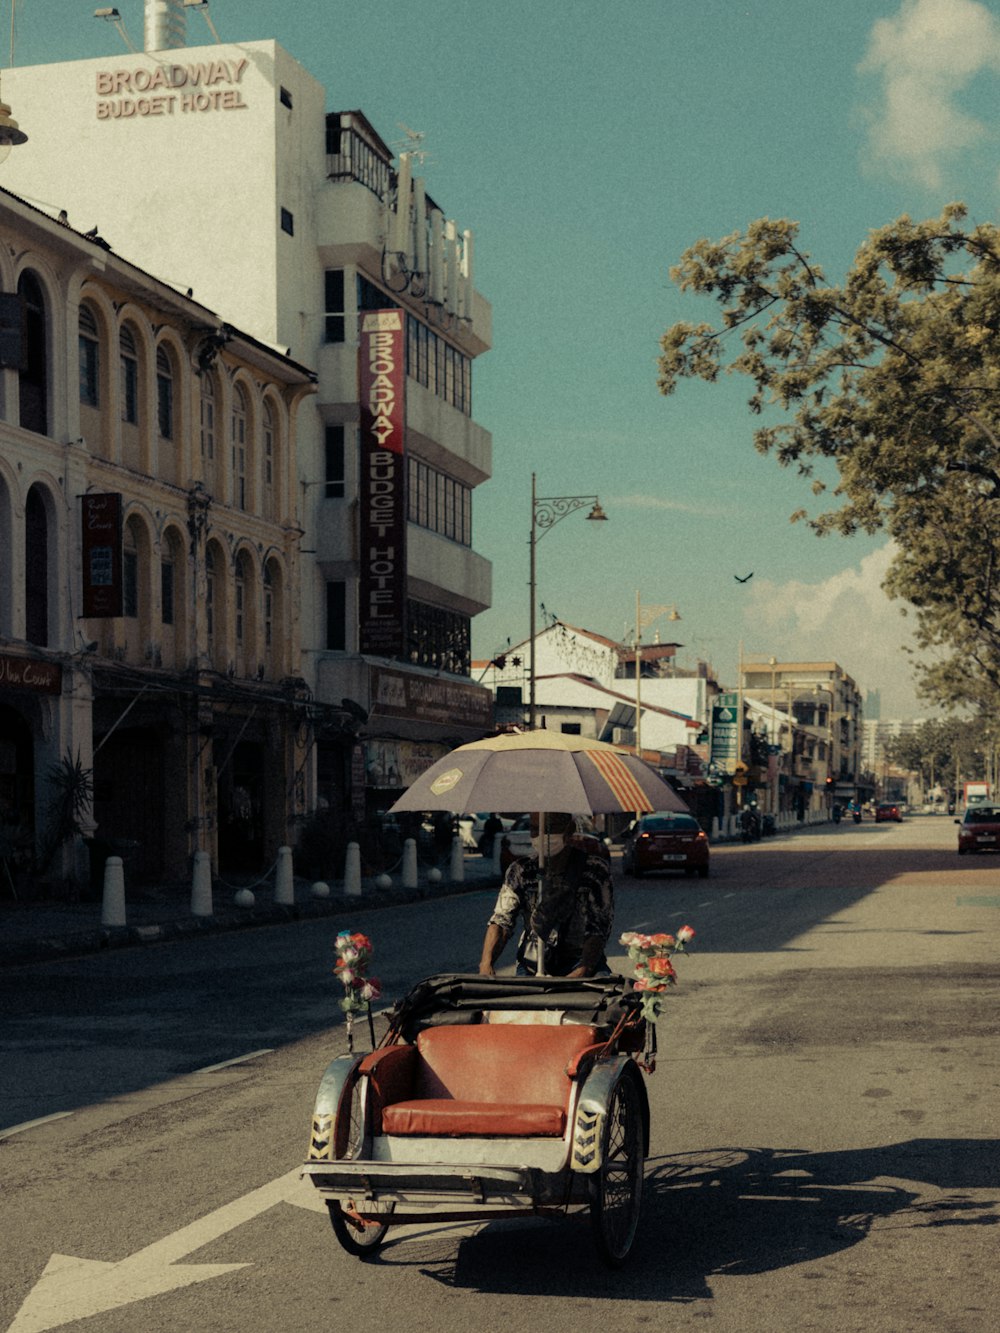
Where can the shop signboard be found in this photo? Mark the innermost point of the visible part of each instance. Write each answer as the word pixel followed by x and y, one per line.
pixel 725 732
pixel 101 552
pixel 382 490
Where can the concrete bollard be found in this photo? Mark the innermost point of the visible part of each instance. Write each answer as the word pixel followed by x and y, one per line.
pixel 352 871
pixel 113 905
pixel 410 864
pixel 714 835
pixel 284 882
pixel 201 885
pixel 320 889
pixel 457 861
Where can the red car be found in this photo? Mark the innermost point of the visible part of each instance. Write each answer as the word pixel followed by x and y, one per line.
pixel 887 811
pixel 979 831
pixel 665 841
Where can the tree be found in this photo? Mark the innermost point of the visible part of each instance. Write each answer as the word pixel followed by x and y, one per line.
pixel 885 387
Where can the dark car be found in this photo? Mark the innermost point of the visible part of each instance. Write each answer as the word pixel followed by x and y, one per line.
pixel 665 841
pixel 888 811
pixel 979 830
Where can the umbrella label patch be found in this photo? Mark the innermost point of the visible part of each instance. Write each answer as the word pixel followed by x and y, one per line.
pixel 445 781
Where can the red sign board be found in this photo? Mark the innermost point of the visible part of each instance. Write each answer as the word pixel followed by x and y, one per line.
pixel 101 555
pixel 382 489
pixel 22 673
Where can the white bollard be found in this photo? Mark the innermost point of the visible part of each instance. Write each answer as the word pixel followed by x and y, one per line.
pixel 244 898
pixel 320 889
pixel 352 871
pixel 410 863
pixel 714 835
pixel 457 861
pixel 284 883
pixel 113 905
pixel 201 885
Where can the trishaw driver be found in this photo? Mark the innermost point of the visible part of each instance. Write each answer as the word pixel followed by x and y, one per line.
pixel 572 919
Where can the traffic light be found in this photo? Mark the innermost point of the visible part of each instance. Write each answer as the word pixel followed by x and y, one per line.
pixel 829 784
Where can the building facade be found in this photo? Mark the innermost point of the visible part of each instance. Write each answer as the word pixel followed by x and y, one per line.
pixel 805 747
pixel 149 551
pixel 312 234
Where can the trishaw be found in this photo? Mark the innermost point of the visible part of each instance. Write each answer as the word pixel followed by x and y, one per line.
pixel 499 1095
pixel 490 1095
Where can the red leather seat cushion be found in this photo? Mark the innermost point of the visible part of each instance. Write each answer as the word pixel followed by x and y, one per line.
pixel 444 1116
pixel 490 1079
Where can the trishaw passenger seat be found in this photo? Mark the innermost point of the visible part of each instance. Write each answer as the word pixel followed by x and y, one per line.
pixel 509 1080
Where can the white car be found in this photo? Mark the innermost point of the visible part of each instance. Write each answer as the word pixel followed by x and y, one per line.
pixel 470 828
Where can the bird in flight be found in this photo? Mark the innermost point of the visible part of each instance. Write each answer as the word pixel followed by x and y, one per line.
pixel 745 579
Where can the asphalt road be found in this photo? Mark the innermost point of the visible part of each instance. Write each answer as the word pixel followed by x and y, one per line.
pixel 824 1142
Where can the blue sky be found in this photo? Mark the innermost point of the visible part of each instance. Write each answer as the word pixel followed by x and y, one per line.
pixel 587 145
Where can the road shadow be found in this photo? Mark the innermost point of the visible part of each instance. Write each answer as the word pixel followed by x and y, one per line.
pixel 734 1211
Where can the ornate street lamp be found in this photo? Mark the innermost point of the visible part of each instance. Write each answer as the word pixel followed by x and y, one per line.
pixel 546 511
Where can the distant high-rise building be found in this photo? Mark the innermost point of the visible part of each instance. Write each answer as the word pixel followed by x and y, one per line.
pixel 873 705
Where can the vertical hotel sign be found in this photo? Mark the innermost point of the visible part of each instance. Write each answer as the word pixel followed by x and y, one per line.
pixel 382 528
pixel 102 555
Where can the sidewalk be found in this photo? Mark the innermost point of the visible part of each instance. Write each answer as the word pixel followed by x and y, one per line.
pixel 33 932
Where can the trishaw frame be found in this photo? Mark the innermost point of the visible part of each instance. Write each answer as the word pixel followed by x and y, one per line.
pixel 371 1181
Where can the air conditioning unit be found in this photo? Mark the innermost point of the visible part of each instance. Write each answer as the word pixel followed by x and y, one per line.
pixel 622 736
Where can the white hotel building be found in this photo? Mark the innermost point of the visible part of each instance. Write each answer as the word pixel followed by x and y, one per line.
pixel 219 169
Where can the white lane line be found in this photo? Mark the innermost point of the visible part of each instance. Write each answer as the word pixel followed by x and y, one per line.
pixel 237 1060
pixel 30 1124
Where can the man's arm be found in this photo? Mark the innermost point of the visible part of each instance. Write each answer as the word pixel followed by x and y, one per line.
pixel 496 938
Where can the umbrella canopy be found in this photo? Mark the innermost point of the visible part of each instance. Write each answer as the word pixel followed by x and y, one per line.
pixel 540 770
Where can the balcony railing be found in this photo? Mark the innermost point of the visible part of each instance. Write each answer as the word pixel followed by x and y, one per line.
pixel 350 157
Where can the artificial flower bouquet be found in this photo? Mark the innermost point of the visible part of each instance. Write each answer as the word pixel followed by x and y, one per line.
pixel 354 953
pixel 654 972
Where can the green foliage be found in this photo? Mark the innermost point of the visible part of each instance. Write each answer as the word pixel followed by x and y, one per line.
pixel 893 378
pixel 945 749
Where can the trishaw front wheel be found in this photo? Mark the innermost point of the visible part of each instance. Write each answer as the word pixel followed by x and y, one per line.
pixel 361 1236
pixel 616 1189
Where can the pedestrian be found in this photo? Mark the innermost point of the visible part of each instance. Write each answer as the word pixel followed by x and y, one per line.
pixel 491 828
pixel 567 907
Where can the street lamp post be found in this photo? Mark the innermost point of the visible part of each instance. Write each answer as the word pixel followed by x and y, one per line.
pixel 546 511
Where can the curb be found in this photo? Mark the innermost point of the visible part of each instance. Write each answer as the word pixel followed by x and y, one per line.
pixel 77 944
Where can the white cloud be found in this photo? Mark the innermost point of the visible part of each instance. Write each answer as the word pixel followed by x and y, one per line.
pixel 660 502
pixel 846 618
pixel 924 58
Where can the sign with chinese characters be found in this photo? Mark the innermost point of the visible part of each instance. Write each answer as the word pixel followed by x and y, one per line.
pixel 382 488
pixel 101 554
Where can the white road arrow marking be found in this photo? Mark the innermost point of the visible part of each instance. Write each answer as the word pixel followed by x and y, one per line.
pixel 72 1288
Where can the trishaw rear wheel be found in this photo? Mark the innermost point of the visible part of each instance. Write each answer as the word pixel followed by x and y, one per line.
pixel 616 1189
pixel 360 1236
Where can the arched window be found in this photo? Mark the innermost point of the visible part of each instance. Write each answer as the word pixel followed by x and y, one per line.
pixel 270 509
pixel 36 569
pixel 239 442
pixel 210 590
pixel 129 361
pixel 165 394
pixel 34 378
pixel 90 358
pixel 207 419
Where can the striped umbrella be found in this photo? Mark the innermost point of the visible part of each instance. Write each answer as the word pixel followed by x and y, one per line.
pixel 540 770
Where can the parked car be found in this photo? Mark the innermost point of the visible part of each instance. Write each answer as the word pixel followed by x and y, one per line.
pixel 979 829
pixel 665 841
pixel 887 811
pixel 516 841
